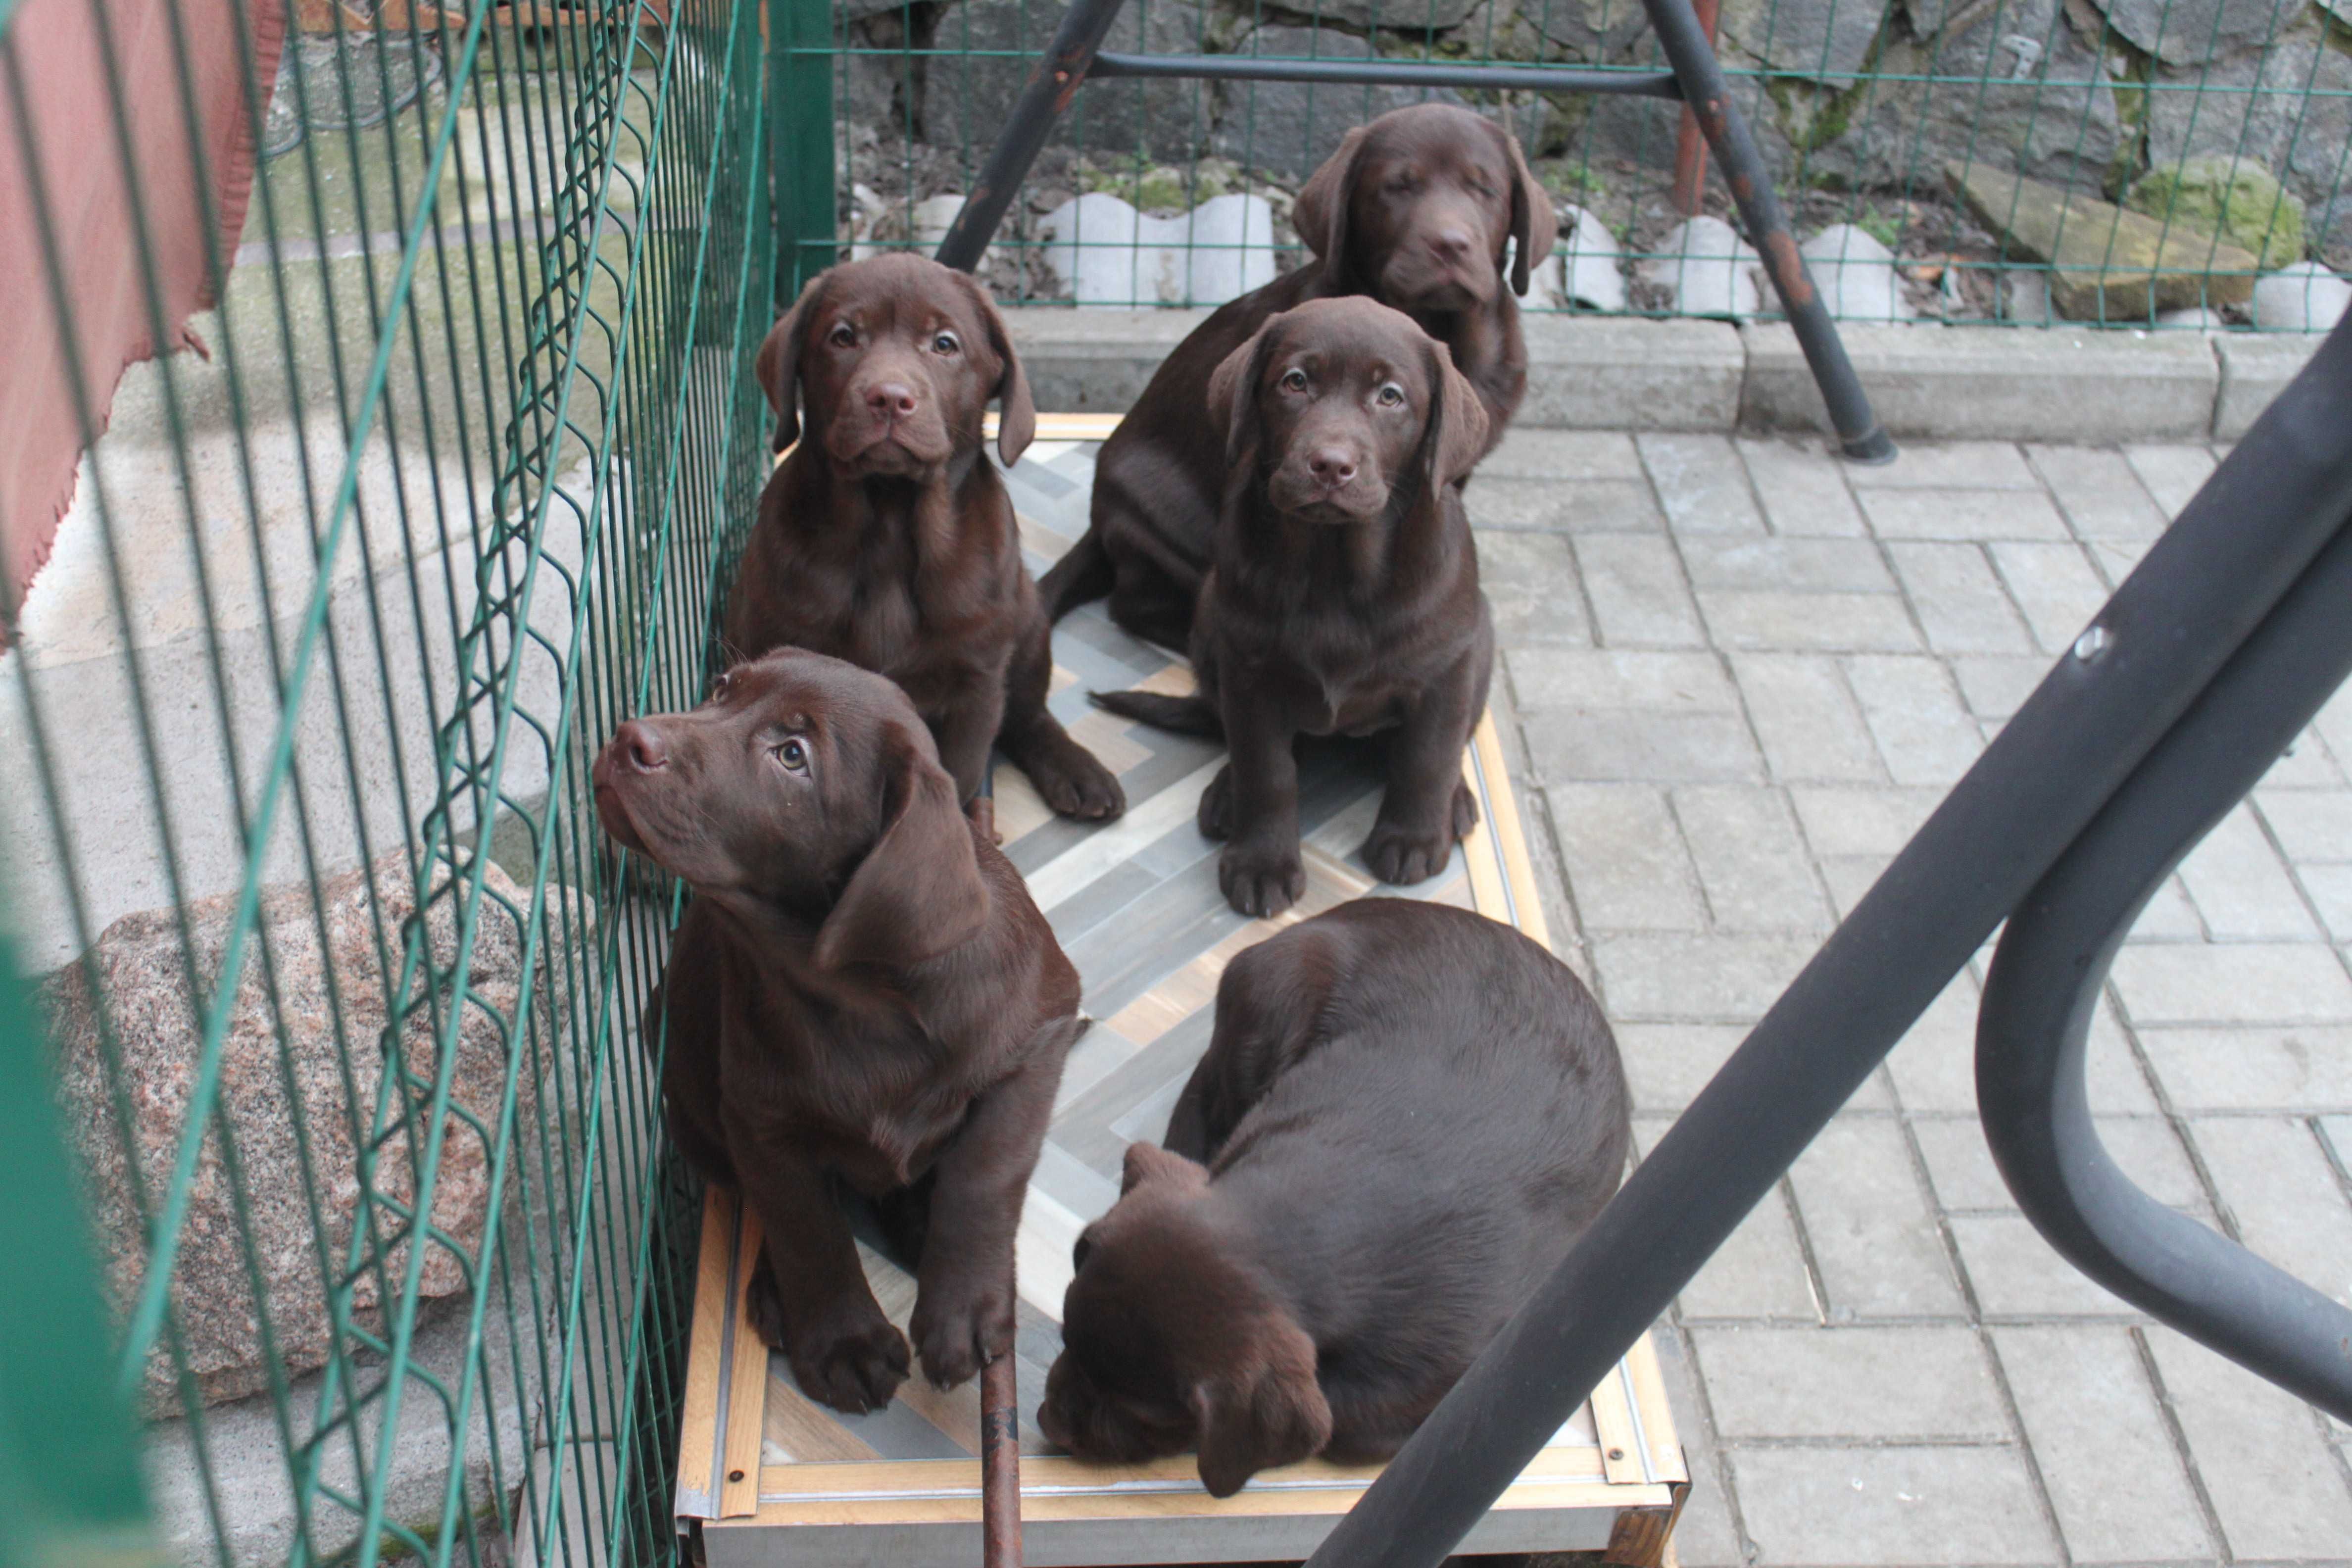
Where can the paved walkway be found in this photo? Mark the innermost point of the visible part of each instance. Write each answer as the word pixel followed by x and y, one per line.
pixel 1743 673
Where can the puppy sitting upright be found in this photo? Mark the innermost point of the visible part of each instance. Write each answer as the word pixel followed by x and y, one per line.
pixel 861 992
pixel 887 539
pixel 1406 1117
pixel 1343 597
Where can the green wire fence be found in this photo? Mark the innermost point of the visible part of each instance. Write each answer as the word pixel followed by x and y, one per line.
pixel 1966 158
pixel 300 678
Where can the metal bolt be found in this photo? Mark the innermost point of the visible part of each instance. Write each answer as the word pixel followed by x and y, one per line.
pixel 2093 642
pixel 734 1475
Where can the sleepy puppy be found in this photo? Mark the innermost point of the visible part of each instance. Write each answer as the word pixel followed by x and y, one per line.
pixel 887 540
pixel 1429 209
pixel 1343 597
pixel 861 992
pixel 1407 1115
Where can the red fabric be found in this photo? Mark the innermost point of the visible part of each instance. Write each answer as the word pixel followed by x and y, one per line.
pixel 57 48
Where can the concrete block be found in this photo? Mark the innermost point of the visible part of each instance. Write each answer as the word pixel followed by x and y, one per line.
pixel 1958 383
pixel 2274 1178
pixel 1882 1384
pixel 1923 734
pixel 1959 600
pixel 1806 719
pixel 2255 368
pixel 1800 484
pixel 2055 587
pixel 2313 826
pixel 1094 361
pixel 2016 1274
pixel 1961 514
pixel 2241 885
pixel 1627 868
pixel 1751 860
pixel 1757 1275
pixel 1996 686
pixel 2240 982
pixel 1849 822
pixel 1799 566
pixel 1700 481
pixel 2277 1490
pixel 2101 495
pixel 1819 623
pixel 2287 1069
pixel 1696 979
pixel 1896 1507
pixel 2172 471
pixel 1532 590
pixel 1993 465
pixel 1567 744
pixel 1705 1536
pixel 1614 373
pixel 1635 585
pixel 1556 506
pixel 1872 1228
pixel 1653 682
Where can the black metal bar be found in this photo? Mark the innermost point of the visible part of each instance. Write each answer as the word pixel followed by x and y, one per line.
pixel 2052 962
pixel 1047 93
pixel 2208 581
pixel 1685 43
pixel 1385 73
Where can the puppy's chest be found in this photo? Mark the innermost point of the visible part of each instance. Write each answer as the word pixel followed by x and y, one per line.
pixel 869 1110
pixel 928 628
pixel 1334 680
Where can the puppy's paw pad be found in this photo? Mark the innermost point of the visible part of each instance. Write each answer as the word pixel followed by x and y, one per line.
pixel 954 1337
pixel 854 1371
pixel 1400 857
pixel 1217 807
pixel 1261 881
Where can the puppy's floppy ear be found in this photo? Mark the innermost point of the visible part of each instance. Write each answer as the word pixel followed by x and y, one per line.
pixel 1151 1163
pixel 917 892
pixel 1321 212
pixel 1456 435
pixel 1016 419
pixel 777 365
pixel 1267 1410
pixel 1535 222
pixel 1233 392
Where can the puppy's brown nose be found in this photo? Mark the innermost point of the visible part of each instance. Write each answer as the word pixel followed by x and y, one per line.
pixel 1332 466
pixel 1454 244
pixel 636 745
pixel 890 401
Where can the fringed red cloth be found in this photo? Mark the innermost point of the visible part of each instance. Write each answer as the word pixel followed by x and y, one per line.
pixel 64 132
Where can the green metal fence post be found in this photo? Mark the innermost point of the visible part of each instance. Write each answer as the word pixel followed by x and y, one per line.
pixel 800 125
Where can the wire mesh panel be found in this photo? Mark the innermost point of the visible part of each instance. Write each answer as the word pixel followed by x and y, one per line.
pixel 310 627
pixel 2115 161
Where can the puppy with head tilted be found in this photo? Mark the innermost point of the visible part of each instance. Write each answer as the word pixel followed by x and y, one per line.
pixel 1406 1117
pixel 887 539
pixel 1343 597
pixel 1429 209
pixel 861 992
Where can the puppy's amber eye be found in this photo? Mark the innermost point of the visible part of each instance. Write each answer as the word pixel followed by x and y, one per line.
pixel 1391 395
pixel 1294 381
pixel 794 755
pixel 843 336
pixel 947 343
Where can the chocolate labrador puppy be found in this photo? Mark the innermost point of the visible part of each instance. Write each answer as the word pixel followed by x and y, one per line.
pixel 1344 594
pixel 1416 210
pixel 887 539
pixel 1407 1115
pixel 862 992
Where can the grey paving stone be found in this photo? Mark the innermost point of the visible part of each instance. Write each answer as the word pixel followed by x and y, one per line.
pixel 2306 764
pixel 2239 885
pixel 1825 623
pixel 1862 821
pixel 2242 983
pixel 2278 1492
pixel 1700 482
pixel 1635 584
pixel 1629 678
pixel 2171 473
pixel 1807 721
pixel 2307 1069
pixel 1962 514
pixel 1667 1064
pixel 1949 465
pixel 1994 687
pixel 1815 1508
pixel 2115 560
pixel 2101 495
pixel 1696 979
pixel 1959 600
pixel 2169 916
pixel 1803 566
pixel 2276 1179
pixel 1751 861
pixel 1801 486
pixel 1551 456
pixel 1872 1228
pixel 2015 1274
pixel 2054 585
pixel 2330 888
pixel 1961 1170
pixel 1705 1536
pixel 1555 506
pixel 1759 1274
pixel 1872 1384
pixel 1621 745
pixel 1531 587
pixel 1851 878
pixel 1924 736
pixel 1934 1066
pixel 2106 1461
pixel 2313 826
pixel 1627 868
pixel 2334 723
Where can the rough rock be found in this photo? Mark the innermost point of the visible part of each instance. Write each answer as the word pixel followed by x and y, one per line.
pixel 278 1092
pixel 1589 30
pixel 2191 32
pixel 2197 317
pixel 1410 16
pixel 2304 297
pixel 1855 275
pixel 1290 128
pixel 2288 108
pixel 1707 269
pixel 2111 265
pixel 967 99
pixel 2236 198
pixel 2025 299
pixel 1587 267
pixel 1823 40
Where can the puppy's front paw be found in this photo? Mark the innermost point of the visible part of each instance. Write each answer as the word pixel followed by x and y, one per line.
pixel 959 1324
pixel 1216 815
pixel 850 1357
pixel 1400 857
pixel 1075 783
pixel 1261 879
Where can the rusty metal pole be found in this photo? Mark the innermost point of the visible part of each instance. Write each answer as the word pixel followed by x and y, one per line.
pixel 999 1462
pixel 1690 145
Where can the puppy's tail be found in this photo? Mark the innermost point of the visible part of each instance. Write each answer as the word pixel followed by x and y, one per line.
pixel 1185 715
pixel 1081 575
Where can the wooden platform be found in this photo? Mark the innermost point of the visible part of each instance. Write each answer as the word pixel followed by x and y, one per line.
pixel 768 1477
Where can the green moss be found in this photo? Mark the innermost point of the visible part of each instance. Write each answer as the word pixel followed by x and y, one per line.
pixel 2235 198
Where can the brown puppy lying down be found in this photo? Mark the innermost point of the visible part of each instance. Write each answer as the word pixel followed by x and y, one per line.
pixel 1406 1116
pixel 887 539
pixel 1414 209
pixel 1344 598
pixel 861 992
